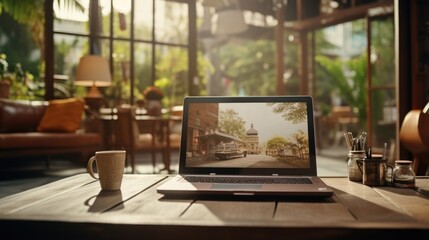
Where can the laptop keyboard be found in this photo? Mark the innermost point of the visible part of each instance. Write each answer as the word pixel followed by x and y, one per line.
pixel 250 180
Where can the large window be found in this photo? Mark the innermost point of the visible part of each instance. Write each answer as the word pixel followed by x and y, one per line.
pixel 142 39
pixel 382 88
pixel 355 84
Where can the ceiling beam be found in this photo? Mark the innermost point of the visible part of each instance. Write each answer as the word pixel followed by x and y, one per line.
pixel 341 16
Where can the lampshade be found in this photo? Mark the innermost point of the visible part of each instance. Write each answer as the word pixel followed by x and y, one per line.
pixel 229 21
pixel 93 71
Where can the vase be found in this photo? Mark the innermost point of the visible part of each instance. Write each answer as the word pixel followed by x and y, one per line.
pixel 154 107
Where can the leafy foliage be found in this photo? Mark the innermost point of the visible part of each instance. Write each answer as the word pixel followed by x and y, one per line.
pixel 277 141
pixel 21 82
pixel 354 92
pixel 293 112
pixel 249 64
pixel 231 123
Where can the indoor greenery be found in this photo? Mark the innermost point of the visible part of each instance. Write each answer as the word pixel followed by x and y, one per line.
pixel 21 83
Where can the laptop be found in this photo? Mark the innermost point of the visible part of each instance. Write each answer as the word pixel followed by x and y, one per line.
pixel 247 146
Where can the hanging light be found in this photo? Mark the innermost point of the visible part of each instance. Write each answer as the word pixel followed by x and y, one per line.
pixel 229 20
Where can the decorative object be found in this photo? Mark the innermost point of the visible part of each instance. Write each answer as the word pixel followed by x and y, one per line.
pixel 93 71
pixel 153 97
pixel 153 93
pixel 154 107
pixel 229 19
pixel 62 115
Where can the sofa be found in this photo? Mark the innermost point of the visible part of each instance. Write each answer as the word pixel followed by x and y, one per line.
pixel 30 128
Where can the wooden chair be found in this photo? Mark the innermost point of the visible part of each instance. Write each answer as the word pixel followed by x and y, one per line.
pixel 345 121
pixel 129 137
pixel 414 135
pixel 176 127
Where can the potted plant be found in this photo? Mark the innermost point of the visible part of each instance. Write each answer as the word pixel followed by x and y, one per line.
pixel 15 83
pixel 153 96
pixel 4 80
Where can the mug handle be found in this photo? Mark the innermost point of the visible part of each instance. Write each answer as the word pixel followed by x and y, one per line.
pixel 90 168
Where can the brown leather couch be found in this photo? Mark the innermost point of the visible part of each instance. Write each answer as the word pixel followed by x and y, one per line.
pixel 19 135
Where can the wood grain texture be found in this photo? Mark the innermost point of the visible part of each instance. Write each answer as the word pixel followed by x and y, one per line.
pixel 364 203
pixel 33 196
pixel 313 211
pixel 408 200
pixel 152 204
pixel 83 199
pixel 230 210
pixel 75 207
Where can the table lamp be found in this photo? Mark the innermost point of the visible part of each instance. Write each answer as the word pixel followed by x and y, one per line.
pixel 93 71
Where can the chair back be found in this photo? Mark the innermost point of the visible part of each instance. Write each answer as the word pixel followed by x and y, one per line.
pixel 126 131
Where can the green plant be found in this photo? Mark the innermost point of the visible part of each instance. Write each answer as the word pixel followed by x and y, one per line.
pixel 3 65
pixel 354 92
pixel 22 85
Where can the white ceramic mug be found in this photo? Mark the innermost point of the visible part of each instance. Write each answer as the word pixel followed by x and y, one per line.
pixel 110 168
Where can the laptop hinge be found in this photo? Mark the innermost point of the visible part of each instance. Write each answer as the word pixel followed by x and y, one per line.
pixel 211 174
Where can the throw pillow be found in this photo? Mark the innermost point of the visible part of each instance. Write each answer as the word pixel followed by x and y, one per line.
pixel 64 115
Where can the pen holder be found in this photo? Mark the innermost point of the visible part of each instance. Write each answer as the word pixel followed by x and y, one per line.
pixel 374 171
pixel 355 173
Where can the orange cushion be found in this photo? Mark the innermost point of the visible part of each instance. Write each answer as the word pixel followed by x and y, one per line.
pixel 64 115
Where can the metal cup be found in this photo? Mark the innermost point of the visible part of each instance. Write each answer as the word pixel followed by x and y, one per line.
pixel 374 171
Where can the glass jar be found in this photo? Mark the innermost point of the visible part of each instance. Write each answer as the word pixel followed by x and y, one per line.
pixel 354 165
pixel 403 174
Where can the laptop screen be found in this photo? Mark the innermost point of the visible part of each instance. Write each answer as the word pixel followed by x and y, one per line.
pixel 248 135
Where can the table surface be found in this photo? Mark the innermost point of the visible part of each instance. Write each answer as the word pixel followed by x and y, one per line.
pixel 76 207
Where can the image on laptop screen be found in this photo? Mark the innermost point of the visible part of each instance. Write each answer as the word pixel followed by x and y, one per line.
pixel 251 134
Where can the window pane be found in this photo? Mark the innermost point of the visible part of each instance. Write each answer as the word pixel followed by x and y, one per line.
pixel 142 66
pixel 171 22
pixel 340 84
pixel 291 76
pixel 119 92
pixel 383 98
pixel 68 51
pixel 71 20
pixel 172 73
pixel 245 67
pixel 382 52
pixel 105 7
pixel 143 19
pixel 384 116
pixel 121 18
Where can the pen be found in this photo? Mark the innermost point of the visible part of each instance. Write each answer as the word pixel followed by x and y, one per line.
pixel 349 144
pixel 368 153
pixel 384 152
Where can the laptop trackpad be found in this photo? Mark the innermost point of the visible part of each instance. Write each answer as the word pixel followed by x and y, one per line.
pixel 236 186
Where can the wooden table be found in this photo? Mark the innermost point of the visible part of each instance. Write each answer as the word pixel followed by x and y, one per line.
pixel 75 208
